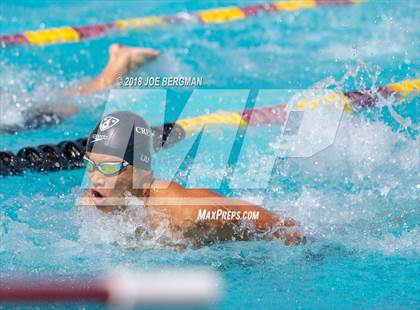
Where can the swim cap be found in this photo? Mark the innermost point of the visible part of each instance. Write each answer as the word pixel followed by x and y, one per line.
pixel 123 134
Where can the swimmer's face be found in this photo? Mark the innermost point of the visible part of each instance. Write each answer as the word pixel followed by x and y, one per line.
pixel 108 192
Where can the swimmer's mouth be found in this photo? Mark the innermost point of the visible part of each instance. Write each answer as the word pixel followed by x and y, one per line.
pixel 97 197
pixel 95 193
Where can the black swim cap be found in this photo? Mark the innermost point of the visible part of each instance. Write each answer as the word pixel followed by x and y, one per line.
pixel 123 134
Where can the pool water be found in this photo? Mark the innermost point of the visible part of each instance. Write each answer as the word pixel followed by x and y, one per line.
pixel 357 201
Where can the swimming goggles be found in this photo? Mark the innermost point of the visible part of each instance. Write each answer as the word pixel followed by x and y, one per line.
pixel 108 169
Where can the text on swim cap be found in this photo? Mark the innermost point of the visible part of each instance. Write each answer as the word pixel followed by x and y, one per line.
pixel 144 131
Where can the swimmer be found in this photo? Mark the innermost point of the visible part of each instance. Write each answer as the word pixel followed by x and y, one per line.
pixel 118 163
pixel 121 60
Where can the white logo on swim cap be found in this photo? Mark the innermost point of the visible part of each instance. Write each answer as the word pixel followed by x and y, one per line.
pixel 144 158
pixel 108 122
pixel 98 138
pixel 144 131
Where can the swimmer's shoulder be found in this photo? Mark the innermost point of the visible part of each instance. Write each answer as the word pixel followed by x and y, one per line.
pixel 166 197
pixel 163 188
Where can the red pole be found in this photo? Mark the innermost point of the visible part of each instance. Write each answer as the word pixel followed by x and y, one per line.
pixel 52 290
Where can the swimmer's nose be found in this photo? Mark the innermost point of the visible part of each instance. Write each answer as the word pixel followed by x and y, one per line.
pixel 97 179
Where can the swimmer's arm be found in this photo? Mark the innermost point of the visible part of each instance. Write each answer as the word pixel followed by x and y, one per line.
pixel 278 228
pixel 266 221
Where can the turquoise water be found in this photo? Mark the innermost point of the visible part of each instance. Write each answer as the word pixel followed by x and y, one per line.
pixel 358 201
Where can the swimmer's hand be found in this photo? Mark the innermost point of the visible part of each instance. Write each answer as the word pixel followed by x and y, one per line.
pixel 127 58
pixel 288 231
pixel 274 227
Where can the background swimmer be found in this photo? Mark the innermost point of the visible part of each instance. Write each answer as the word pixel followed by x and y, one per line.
pixel 121 60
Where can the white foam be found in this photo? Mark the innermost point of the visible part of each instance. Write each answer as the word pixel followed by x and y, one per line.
pixel 354 189
pixel 24 90
pixel 128 229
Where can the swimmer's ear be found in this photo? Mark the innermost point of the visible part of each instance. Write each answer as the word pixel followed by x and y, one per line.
pixel 142 178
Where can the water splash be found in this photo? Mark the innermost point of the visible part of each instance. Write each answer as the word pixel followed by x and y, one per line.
pixel 27 92
pixel 128 229
pixel 352 192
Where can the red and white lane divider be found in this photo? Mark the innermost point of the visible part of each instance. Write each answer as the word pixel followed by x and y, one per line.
pixel 177 287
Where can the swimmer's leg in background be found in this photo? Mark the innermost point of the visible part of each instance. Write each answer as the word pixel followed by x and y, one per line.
pixel 122 59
